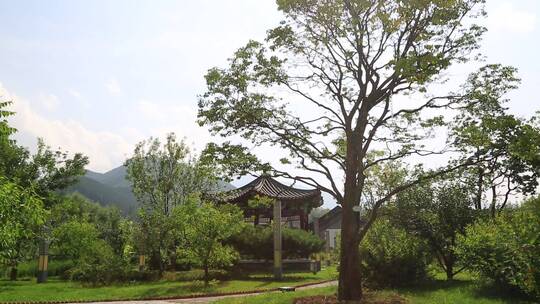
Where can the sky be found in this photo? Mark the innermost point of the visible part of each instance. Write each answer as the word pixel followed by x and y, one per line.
pixel 99 76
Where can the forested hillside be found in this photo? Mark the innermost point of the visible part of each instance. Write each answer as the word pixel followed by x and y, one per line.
pixel 112 188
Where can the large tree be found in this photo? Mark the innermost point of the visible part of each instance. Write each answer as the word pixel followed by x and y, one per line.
pixel 42 174
pixel 338 79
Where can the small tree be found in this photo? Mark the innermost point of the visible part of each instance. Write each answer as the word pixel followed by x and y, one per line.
pixel 437 213
pixel 204 230
pixel 164 176
pixel 391 257
pixel 21 216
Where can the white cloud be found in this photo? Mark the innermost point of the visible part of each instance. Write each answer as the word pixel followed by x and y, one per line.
pixel 168 117
pixel 509 19
pixel 49 101
pixel 113 86
pixel 105 150
pixel 75 93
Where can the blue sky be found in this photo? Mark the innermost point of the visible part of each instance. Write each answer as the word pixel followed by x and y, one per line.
pixel 99 76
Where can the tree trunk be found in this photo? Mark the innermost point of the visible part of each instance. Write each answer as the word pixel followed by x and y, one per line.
pixel 13 273
pixel 479 189
pixel 449 271
pixel 350 285
pixel 155 261
pixel 493 207
pixel 172 260
pixel 206 275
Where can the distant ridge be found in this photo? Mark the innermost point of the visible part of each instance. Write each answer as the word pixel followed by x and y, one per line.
pixel 113 189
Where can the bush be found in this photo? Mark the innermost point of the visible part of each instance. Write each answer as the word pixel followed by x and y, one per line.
pixel 507 249
pixel 258 243
pixel 391 257
pixel 56 267
pixel 99 266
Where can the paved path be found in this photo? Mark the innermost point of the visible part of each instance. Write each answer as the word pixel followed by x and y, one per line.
pixel 210 299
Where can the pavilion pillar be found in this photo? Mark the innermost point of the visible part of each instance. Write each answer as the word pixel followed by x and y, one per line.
pixel 278 265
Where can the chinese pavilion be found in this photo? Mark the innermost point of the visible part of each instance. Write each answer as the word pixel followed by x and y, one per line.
pixel 296 204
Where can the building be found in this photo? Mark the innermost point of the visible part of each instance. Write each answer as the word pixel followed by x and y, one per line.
pixel 328 227
pixel 296 204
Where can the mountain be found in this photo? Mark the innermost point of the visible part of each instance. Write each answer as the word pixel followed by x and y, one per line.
pixel 106 195
pixel 113 189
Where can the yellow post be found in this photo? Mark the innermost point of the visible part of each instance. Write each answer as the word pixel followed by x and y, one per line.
pixel 43 261
pixel 141 262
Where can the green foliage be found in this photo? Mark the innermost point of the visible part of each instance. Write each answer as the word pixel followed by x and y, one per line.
pixel 105 222
pixel 92 238
pixel 164 176
pixel 98 265
pixel 507 249
pixel 257 243
pixel 509 145
pixel 5 129
pixel 57 267
pixel 260 202
pixel 392 257
pixel 21 216
pixel 74 239
pixel 437 212
pixel 21 211
pixel 203 228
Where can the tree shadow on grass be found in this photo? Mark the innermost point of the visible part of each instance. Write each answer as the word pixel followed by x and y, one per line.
pixel 506 294
pixel 479 290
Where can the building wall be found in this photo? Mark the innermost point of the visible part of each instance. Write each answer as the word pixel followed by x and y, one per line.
pixel 328 228
pixel 331 236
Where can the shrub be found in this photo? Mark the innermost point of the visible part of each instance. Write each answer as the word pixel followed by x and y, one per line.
pixel 507 249
pixel 258 243
pixel 56 267
pixel 391 257
pixel 99 266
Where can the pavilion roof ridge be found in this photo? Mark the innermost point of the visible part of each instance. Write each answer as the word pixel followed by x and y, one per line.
pixel 267 186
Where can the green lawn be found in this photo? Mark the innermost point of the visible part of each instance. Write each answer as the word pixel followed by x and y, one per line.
pixel 288 297
pixel 464 290
pixel 69 291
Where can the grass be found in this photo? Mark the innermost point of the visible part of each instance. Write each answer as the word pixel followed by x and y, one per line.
pixel 465 289
pixel 282 298
pixel 57 290
pixel 278 298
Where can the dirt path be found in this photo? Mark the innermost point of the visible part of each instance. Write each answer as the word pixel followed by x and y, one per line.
pixel 209 299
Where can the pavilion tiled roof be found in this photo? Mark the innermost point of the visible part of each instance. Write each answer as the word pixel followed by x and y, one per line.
pixel 267 186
